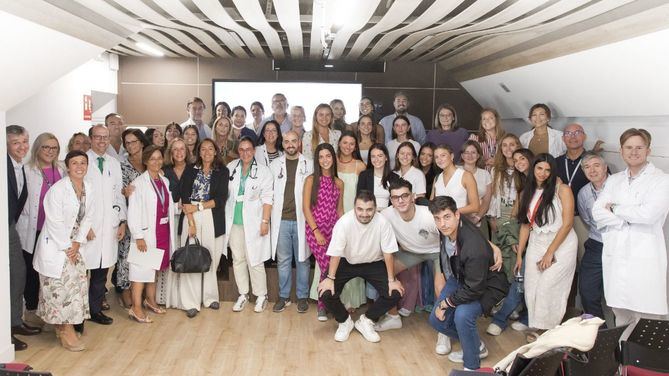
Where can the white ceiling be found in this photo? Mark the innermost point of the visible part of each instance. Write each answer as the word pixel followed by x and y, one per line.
pixel 460 34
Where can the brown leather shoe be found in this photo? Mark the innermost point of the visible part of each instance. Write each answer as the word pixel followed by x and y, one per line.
pixel 18 344
pixel 25 330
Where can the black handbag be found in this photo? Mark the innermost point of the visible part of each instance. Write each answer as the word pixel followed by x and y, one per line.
pixel 191 258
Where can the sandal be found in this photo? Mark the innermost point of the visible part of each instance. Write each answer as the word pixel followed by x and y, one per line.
pixel 157 310
pixel 145 320
pixel 122 303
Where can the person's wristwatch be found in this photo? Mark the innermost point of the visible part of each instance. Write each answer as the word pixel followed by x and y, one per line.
pixel 200 206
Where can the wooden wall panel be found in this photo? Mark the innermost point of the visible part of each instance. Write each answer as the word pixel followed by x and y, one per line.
pixel 155 91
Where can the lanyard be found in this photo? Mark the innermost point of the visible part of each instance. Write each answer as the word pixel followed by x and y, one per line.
pixel 570 178
pixel 159 192
pixel 533 214
pixel 48 182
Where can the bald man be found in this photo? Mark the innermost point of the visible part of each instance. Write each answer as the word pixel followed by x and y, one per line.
pixel 570 170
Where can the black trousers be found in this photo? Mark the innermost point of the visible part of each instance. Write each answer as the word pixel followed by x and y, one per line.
pixel 591 284
pixel 96 289
pixel 374 273
pixel 31 291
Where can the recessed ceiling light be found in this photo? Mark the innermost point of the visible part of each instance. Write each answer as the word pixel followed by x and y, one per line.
pixel 149 49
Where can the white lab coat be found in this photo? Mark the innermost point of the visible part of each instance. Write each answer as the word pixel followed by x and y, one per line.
pixel 305 168
pixel 110 209
pixel 261 155
pixel 61 207
pixel 556 146
pixel 257 193
pixel 26 226
pixel 142 210
pixel 634 258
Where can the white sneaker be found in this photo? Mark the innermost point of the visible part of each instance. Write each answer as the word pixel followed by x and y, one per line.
pixel 388 322
pixel 366 327
pixel 344 330
pixel 457 356
pixel 519 326
pixel 240 303
pixel 261 303
pixel 494 329
pixel 443 346
pixel 404 312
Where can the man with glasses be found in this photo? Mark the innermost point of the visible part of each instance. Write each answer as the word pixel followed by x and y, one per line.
pixel 279 112
pixel 570 171
pixel 100 252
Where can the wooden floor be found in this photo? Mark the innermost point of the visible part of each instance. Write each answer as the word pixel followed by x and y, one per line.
pixel 248 343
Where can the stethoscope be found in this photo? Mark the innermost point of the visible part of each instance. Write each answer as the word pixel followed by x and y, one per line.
pixel 302 171
pixel 253 174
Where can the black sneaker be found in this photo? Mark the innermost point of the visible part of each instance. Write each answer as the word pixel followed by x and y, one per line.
pixel 281 305
pixel 302 305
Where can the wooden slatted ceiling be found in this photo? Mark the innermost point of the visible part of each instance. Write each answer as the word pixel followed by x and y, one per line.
pixel 456 33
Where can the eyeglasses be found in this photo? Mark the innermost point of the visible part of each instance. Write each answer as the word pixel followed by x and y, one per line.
pixel 572 133
pixel 49 148
pixel 402 197
pixel 99 137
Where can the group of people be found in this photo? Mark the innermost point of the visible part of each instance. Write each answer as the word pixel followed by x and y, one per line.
pixel 455 223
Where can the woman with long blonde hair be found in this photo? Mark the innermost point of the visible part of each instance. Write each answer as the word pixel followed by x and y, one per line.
pixel 490 131
pixel 321 131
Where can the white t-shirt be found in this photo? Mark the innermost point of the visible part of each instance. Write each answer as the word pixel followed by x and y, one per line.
pixel 419 235
pixel 382 194
pixel 359 243
pixel 393 145
pixel 416 178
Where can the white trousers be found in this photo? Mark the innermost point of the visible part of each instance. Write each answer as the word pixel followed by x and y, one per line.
pixel 242 268
pixel 188 290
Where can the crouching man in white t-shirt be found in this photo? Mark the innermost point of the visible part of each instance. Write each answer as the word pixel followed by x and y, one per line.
pixel 362 245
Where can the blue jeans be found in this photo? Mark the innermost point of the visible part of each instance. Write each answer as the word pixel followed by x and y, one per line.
pixel 591 285
pixel 511 302
pixel 287 248
pixel 460 324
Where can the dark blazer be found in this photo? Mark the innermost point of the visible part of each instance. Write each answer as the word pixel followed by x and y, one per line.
pixel 471 267
pixel 366 180
pixel 218 191
pixel 175 189
pixel 15 202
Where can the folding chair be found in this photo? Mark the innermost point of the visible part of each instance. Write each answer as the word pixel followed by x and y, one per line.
pixel 546 364
pixel 601 360
pixel 646 351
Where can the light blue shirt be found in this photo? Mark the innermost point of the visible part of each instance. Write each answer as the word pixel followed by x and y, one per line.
pixel 417 128
pixel 586 199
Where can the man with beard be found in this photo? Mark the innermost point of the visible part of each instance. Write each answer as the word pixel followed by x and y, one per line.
pixel 362 245
pixel 279 114
pixel 401 104
pixel 288 227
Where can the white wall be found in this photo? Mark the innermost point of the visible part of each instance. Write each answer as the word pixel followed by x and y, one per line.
pixel 58 108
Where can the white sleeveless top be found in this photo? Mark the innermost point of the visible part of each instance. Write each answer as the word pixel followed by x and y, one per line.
pixel 455 189
pixel 554 218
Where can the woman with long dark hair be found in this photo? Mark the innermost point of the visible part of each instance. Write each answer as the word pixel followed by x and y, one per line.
pixel 323 204
pixel 546 215
pixel 365 135
pixel 270 143
pixel 406 161
pixel 454 182
pixel 427 165
pixel 378 175
pixel 204 190
pixel 401 133
pixel 134 143
pixel 192 138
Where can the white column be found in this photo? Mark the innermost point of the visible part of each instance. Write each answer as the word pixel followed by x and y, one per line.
pixel 6 347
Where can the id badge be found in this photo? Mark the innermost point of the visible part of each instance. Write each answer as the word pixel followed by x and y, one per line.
pixel 164 220
pixel 240 198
